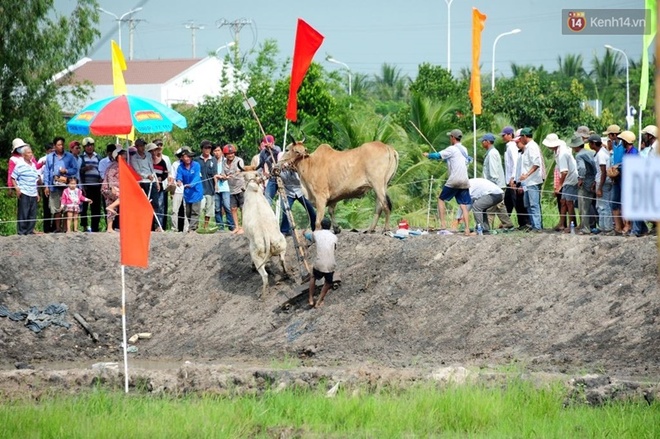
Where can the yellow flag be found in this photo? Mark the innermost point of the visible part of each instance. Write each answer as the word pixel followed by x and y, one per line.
pixel 649 34
pixel 118 66
pixel 119 85
pixel 478 22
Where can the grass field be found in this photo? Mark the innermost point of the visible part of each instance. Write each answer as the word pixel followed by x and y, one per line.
pixel 516 410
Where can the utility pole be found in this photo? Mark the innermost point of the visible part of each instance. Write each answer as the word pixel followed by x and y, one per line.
pixel 193 27
pixel 132 22
pixel 235 29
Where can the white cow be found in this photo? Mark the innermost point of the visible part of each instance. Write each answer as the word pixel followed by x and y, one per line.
pixel 261 228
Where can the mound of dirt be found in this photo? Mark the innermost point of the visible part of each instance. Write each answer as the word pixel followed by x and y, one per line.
pixel 552 302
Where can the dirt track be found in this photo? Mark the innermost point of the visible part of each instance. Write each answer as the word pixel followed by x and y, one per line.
pixel 548 302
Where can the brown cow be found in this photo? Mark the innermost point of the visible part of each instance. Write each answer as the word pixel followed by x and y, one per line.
pixel 330 176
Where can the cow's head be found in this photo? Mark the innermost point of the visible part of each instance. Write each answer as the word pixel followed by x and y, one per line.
pixel 295 152
pixel 253 180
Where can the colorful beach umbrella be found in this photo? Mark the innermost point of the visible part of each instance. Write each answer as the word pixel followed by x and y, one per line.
pixel 118 114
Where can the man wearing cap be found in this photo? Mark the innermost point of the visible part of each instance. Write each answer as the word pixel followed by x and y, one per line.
pixel 583 132
pixel 586 168
pixel 267 159
pixel 143 164
pixel 26 178
pixel 567 187
pixel 179 218
pixel 493 171
pixel 603 186
pixel 627 139
pixel 512 200
pixel 209 168
pixel 60 165
pixel 90 180
pixel 649 141
pixel 531 177
pixel 188 176
pixel 457 185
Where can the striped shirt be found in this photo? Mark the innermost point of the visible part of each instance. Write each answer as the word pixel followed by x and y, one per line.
pixel 91 175
pixel 26 177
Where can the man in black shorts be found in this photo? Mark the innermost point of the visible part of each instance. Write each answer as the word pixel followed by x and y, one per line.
pixel 324 264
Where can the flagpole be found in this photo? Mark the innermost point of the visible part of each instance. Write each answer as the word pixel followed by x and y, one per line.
pixel 474 143
pixel 286 128
pixel 123 325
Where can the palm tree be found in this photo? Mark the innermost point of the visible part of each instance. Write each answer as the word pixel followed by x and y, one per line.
pixel 362 84
pixel 572 66
pixel 391 84
pixel 606 75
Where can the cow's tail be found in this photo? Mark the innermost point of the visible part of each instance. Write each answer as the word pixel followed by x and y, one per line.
pixel 393 157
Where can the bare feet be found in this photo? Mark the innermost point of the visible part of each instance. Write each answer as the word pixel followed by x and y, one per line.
pixel 110 230
pixel 238 231
pixel 311 303
pixel 468 233
pixel 319 304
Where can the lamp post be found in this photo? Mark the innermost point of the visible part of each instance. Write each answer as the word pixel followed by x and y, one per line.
pixel 629 117
pixel 119 19
pixel 492 75
pixel 348 70
pixel 449 34
pixel 226 46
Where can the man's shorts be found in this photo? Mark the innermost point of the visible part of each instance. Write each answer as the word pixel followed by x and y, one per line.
pixel 208 205
pixel 236 200
pixel 569 193
pixel 55 200
pixel 319 274
pixel 462 195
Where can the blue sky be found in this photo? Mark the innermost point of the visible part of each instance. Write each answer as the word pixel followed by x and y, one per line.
pixel 364 34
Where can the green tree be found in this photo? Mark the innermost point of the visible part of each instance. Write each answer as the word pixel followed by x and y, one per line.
pixel 35 44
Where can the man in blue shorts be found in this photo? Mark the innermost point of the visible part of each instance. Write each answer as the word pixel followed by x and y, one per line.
pixel 458 184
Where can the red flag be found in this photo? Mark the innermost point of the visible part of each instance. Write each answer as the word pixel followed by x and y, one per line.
pixel 478 22
pixel 135 218
pixel 308 41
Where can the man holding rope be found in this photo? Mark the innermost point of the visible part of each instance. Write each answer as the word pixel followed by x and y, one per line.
pixel 267 159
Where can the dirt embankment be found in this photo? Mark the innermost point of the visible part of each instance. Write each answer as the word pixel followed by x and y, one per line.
pixel 550 302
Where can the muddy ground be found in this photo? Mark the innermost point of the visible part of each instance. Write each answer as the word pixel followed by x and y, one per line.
pixel 546 303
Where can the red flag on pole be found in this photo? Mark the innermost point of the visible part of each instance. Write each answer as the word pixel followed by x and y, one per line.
pixel 478 22
pixel 135 218
pixel 308 41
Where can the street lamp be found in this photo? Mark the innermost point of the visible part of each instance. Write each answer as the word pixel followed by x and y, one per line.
pixel 348 70
pixel 226 46
pixel 629 118
pixel 492 75
pixel 449 34
pixel 119 19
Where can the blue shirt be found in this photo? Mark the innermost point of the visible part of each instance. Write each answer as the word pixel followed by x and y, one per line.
pixel 26 177
pixel 54 163
pixel 192 179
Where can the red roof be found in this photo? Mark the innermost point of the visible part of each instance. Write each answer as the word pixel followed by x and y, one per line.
pixel 156 71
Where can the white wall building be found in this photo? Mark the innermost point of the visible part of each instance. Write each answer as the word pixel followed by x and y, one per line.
pixel 172 81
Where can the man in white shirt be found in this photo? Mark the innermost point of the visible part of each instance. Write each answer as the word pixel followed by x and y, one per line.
pixel 531 177
pixel 568 176
pixel 493 171
pixel 512 200
pixel 485 195
pixel 457 185
pixel 325 264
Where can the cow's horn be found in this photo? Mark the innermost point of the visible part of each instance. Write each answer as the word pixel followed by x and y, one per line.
pixel 293 139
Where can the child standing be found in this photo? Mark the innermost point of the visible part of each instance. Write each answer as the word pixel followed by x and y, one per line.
pixel 72 198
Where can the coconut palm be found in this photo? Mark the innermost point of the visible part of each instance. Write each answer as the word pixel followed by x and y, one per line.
pixel 572 66
pixel 391 84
